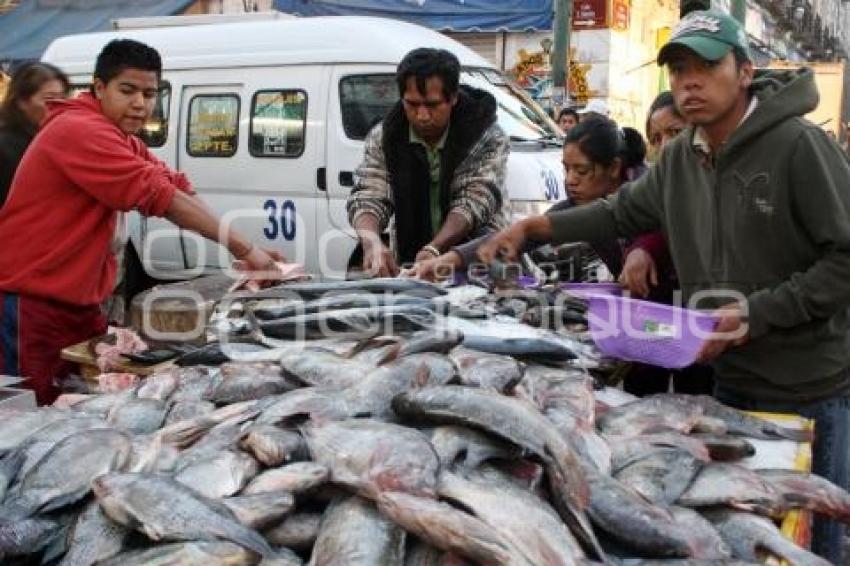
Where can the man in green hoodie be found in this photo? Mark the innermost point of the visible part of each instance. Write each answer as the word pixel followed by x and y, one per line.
pixel 755 203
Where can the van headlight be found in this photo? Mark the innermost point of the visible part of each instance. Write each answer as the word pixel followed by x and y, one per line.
pixel 521 209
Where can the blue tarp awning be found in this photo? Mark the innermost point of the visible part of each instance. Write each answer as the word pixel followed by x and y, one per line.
pixel 26 31
pixel 457 15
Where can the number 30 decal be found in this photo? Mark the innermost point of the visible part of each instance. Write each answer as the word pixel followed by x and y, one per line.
pixel 282 223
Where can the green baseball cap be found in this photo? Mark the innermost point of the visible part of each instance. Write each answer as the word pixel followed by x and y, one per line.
pixel 709 33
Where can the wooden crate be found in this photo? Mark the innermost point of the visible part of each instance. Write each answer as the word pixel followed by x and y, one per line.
pixel 81 354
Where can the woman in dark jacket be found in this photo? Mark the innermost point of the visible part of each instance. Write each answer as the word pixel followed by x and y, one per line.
pixel 23 111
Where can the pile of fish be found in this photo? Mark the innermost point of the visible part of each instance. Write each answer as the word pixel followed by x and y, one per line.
pixel 434 446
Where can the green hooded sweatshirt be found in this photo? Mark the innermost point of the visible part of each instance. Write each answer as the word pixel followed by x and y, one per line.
pixel 769 219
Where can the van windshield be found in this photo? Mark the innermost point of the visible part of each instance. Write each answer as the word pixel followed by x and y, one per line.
pixel 365 99
pixel 519 116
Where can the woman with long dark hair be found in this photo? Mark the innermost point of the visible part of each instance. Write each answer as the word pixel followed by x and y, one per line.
pixel 23 111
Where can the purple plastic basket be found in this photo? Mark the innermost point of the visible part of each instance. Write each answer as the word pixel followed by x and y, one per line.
pixel 587 289
pixel 640 331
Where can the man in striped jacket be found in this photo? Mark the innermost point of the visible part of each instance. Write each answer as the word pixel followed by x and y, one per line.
pixel 434 169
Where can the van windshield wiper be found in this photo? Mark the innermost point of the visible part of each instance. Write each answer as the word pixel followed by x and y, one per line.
pixel 545 141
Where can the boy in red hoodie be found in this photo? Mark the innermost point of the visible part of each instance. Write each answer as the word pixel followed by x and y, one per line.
pixel 84 166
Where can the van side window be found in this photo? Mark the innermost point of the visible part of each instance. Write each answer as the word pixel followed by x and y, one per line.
pixel 213 125
pixel 365 100
pixel 278 123
pixel 155 131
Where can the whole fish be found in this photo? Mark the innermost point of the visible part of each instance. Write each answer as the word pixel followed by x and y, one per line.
pixel 272 446
pixel 313 290
pixel 94 537
pixel 809 491
pixel 63 476
pixel 511 339
pixel 466 448
pixel 160 385
pixel 198 553
pixel 739 422
pixel 354 533
pixel 261 510
pixel 221 474
pixel 293 478
pixel 27 536
pixel 490 371
pixel 323 369
pixel 48 436
pixel 350 322
pixel 298 531
pixel 18 426
pixel 750 536
pixel 334 302
pixel 371 456
pixel 518 422
pixel 248 381
pixel 139 416
pixel 633 522
pixel 532 527
pixel 734 486
pixel 164 509
pixel 625 449
pixel 658 413
pixel 373 395
pixel 661 476
pixel 448 528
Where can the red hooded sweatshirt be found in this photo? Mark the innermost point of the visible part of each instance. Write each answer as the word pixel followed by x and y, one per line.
pixel 59 220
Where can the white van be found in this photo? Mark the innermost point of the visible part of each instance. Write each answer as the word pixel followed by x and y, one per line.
pixel 267 119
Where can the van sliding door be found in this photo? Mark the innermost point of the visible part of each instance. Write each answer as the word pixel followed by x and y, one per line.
pixel 359 97
pixel 246 148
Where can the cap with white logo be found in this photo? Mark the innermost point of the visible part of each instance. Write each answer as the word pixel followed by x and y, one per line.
pixel 709 33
